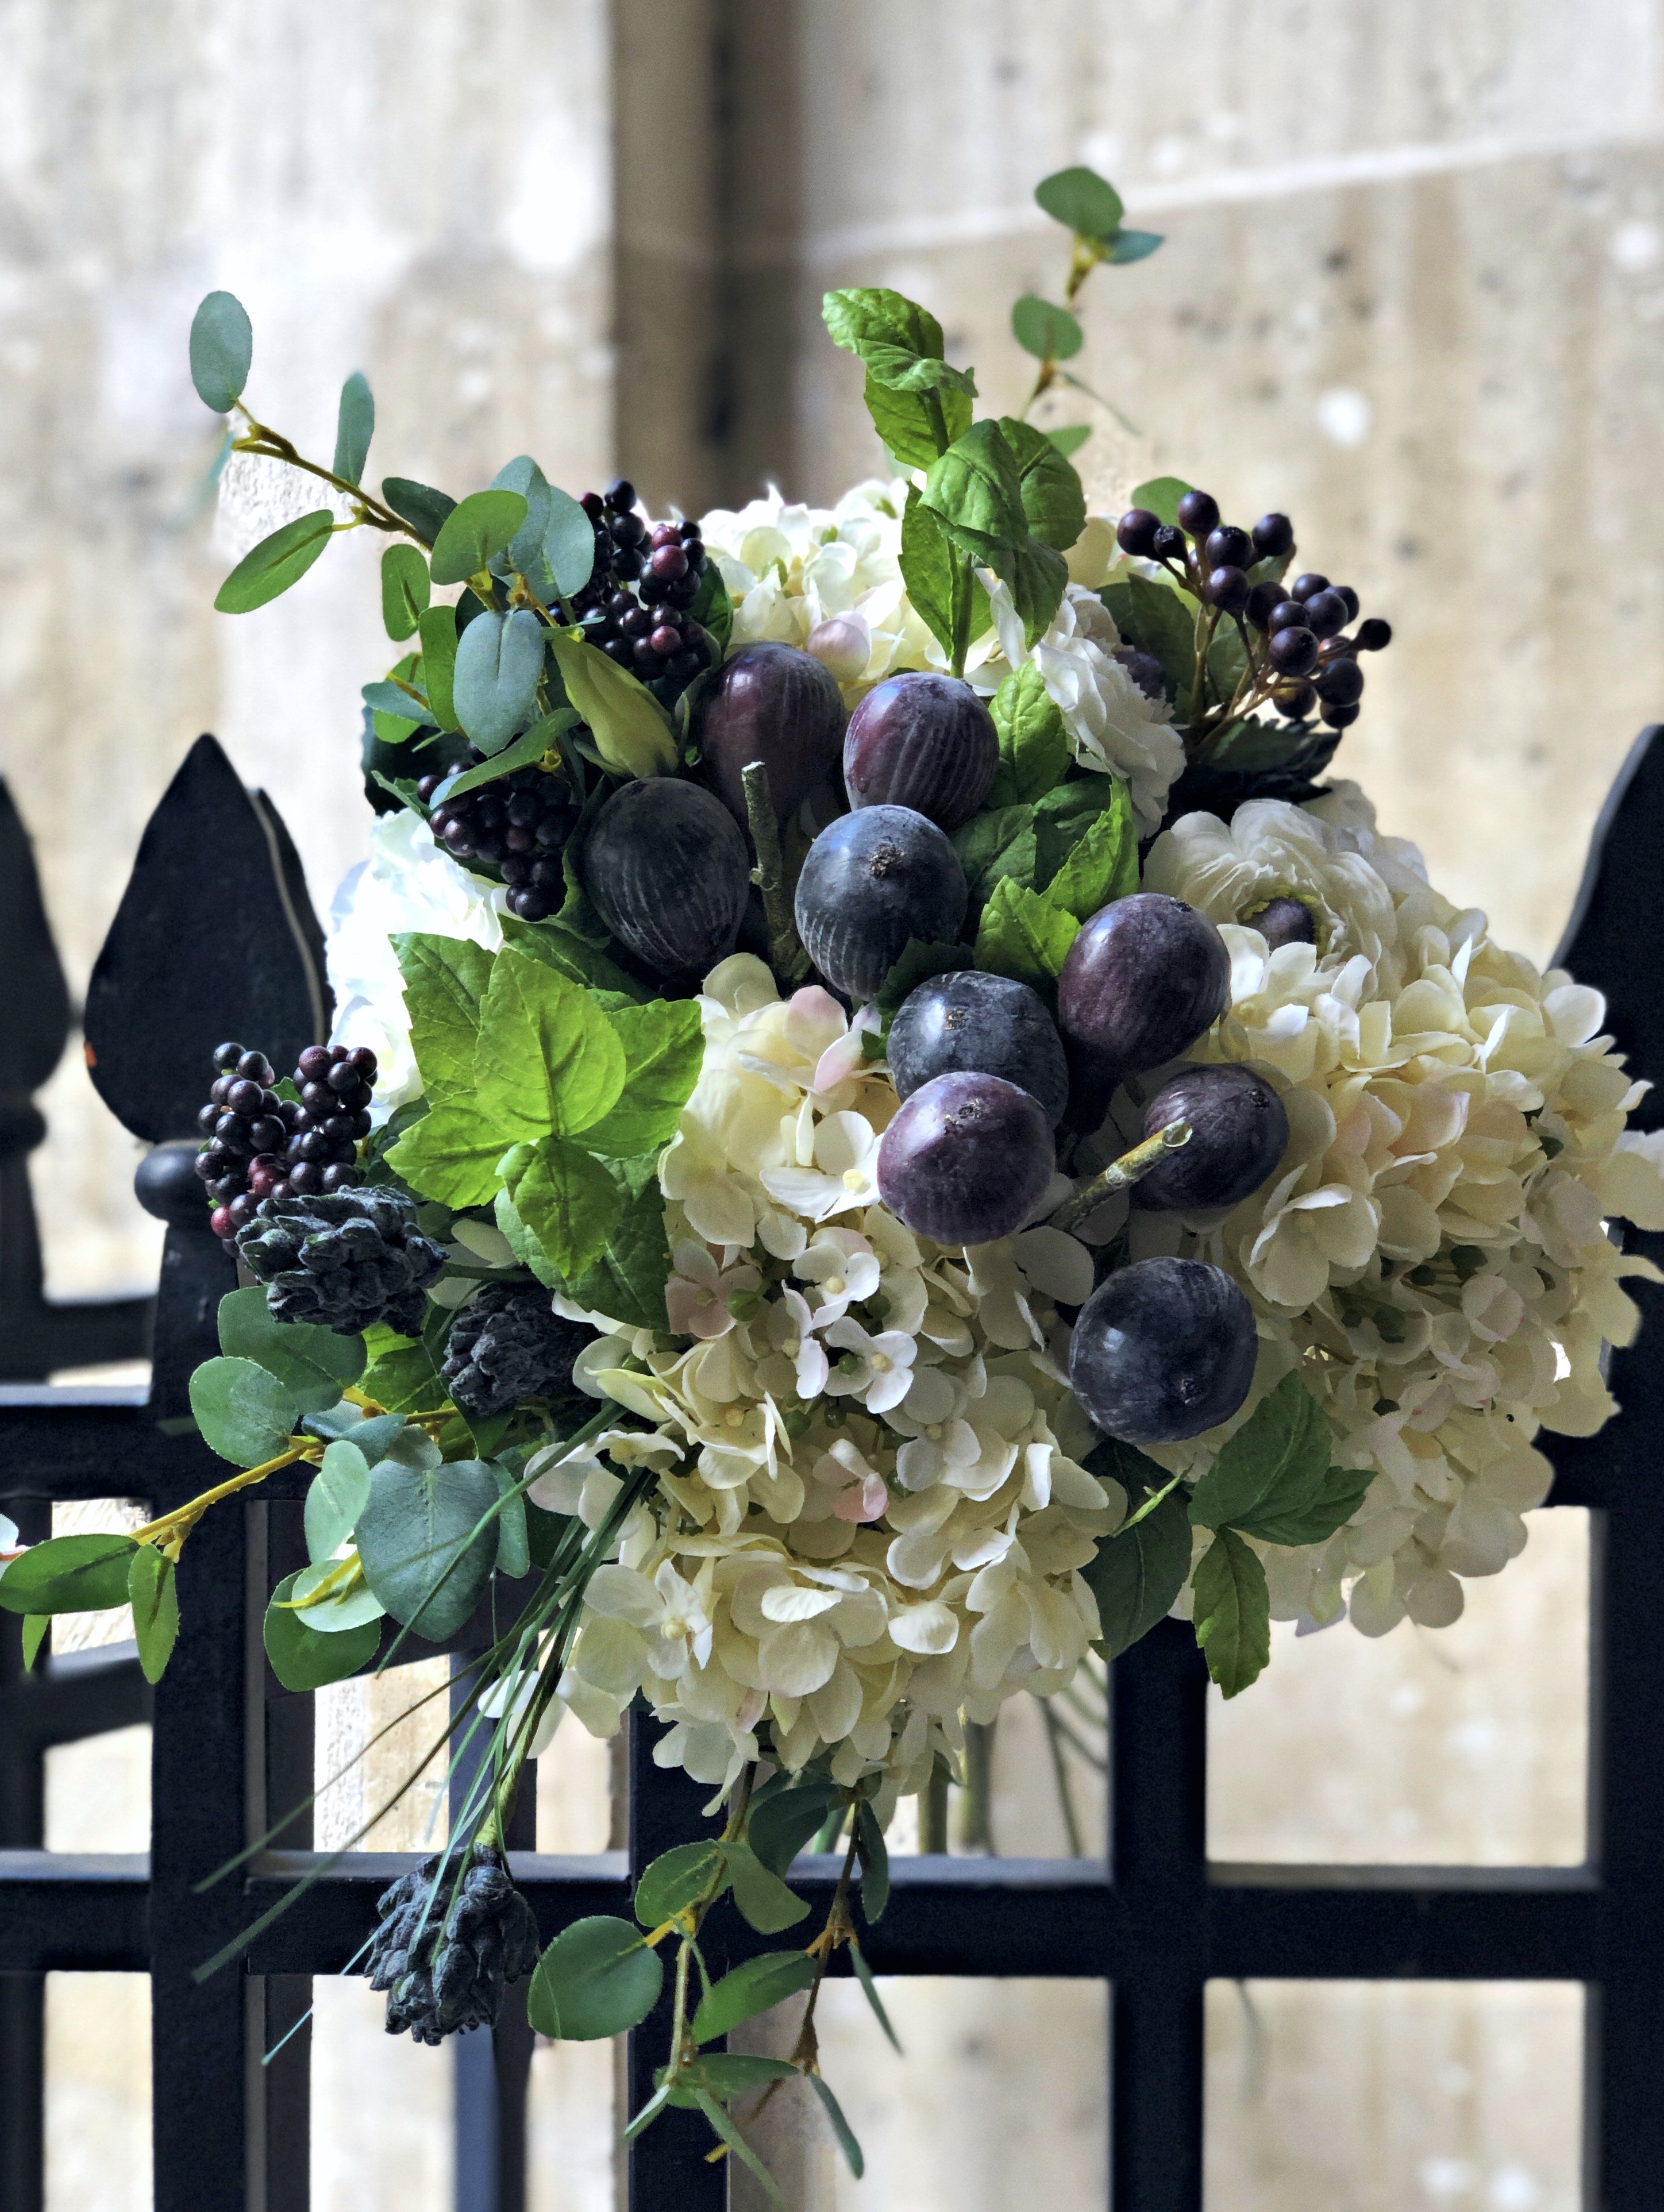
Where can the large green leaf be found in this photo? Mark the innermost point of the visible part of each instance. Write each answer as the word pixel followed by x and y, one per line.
pixel 918 963
pixel 1048 332
pixel 1037 576
pixel 567 1199
pixel 597 1979
pixel 1136 1575
pixel 994 847
pixel 401 1377
pixel 245 1414
pixel 446 979
pixel 1275 1466
pixel 1053 499
pixel 1035 751
pixel 941 584
pixel 549 1059
pixel 899 342
pixel 571 956
pixel 675 1880
pixel 68 1574
pixel 1082 201
pixel 974 491
pixel 452 1154
pixel 1156 620
pixel 313 1365
pixel 762 1898
pixel 221 350
pixel 1317 1516
pixel 626 1282
pixel 339 1492
pixel 405 589
pixel 301 1658
pixel 153 1591
pixel 1020 935
pixel 750 1989
pixel 1101 865
pixel 494 682
pixel 780 1827
pixel 275 563
pixel 630 731
pixel 424 1551
pixel 438 629
pixel 355 426
pixel 569 546
pixel 474 533
pixel 916 426
pixel 1233 1612
pixel 418 504
pixel 664 1045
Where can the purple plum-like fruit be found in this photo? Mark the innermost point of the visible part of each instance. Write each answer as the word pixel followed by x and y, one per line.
pixel 967 1158
pixel 668 873
pixel 992 1025
pixel 1162 1350
pixel 773 704
pixel 923 741
pixel 1239 1131
pixel 872 880
pixel 1146 977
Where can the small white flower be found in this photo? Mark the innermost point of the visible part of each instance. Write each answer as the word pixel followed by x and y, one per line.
pixel 845 1173
pixel 696 1296
pixel 841 1270
pixel 881 1373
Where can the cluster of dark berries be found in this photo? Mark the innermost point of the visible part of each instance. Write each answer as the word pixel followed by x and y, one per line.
pixel 516 825
pixel 1305 664
pixel 444 1969
pixel 646 576
pixel 344 1260
pixel 260 1145
pixel 507 1344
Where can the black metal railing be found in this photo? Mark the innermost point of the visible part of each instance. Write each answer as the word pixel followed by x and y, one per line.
pixel 216 937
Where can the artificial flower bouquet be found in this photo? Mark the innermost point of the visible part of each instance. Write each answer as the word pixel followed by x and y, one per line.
pixel 884 1132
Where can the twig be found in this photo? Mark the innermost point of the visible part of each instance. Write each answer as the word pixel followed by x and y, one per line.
pixel 786 954
pixel 1120 1175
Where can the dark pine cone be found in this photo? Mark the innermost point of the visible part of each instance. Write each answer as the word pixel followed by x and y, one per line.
pixel 344 1260
pixel 444 1968
pixel 505 1345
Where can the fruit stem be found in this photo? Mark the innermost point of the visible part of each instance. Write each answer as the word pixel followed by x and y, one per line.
pixel 1120 1175
pixel 786 954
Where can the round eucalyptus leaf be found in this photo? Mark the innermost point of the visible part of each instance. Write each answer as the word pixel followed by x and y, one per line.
pixel 303 1660
pixel 221 350
pixel 1045 331
pixel 244 1414
pixel 596 1979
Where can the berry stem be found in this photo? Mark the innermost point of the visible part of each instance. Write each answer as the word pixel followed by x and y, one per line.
pixel 786 954
pixel 184 1518
pixel 1120 1175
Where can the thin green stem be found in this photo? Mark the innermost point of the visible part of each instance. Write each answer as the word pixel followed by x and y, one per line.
pixel 1120 1175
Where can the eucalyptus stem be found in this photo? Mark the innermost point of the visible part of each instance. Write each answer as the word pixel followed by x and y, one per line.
pixel 786 954
pixel 184 1518
pixel 1120 1175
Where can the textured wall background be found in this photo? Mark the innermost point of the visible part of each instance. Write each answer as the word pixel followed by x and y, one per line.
pixel 1412 291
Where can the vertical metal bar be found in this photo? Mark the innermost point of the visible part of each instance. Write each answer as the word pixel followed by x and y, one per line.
pixel 282 2086
pixel 1158 1701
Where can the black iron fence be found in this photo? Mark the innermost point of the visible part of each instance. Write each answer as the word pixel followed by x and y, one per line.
pixel 216 938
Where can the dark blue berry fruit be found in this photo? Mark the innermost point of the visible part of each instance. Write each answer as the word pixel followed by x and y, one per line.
pixel 970 1021
pixel 967 1158
pixel 668 871
pixel 923 741
pixel 773 704
pixel 1239 1131
pixel 1146 976
pixel 1162 1350
pixel 872 880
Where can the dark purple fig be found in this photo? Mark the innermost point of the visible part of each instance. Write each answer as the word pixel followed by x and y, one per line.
pixel 773 704
pixel 1162 1350
pixel 1282 921
pixel 1239 1131
pixel 669 874
pixel 872 880
pixel 922 741
pixel 967 1158
pixel 1146 976
pixel 973 1021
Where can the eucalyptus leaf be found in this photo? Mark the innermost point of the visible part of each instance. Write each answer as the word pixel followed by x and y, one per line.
pixel 315 1365
pixel 597 1979
pixel 438 629
pixel 1160 495
pixel 275 563
pixel 355 426
pixel 424 1551
pixel 1070 437
pixel 68 1574
pixel 630 731
pixel 1232 1612
pixel 853 2157
pixel 338 1493
pixel 406 589
pixel 526 752
pixel 1048 332
pixel 301 1658
pixel 245 1414
pixel 676 1879
pixel 568 543
pixel 494 682
pixel 524 548
pixel 221 350
pixel 1133 245
pixel 1082 201
pixel 474 533
pixel 763 1899
pixel 783 1824
pixel 418 504
pixel 349 1602
pixel 750 1989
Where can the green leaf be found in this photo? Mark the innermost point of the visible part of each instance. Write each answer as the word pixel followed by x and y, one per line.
pixel 1276 1464
pixel 418 504
pixel 549 1059
pixel 663 1046
pixel 995 847
pixel 597 1979
pixel 275 562
pixel 751 1989
pixel 245 1414
pixel 627 1283
pixel 780 1827
pixel 726 2128
pixel 841 2126
pixel 1136 1577
pixel 570 956
pixel 221 350
pixel 917 964
pixel 514 1537
pixel 68 1574
pixel 339 1492
pixel 446 980
pixel 355 426
pixel 438 629
pixel 875 1862
pixel 567 1199
pixel 900 341
pixel 523 551
pixel 674 1880
pixel 313 1365
pixel 1053 499
pixel 1339 1496
pixel 712 608
pixel 401 1374
pixel 1062 818
pixel 940 580
pixel 630 731
pixel 1049 333
pixel 569 546
pixel 1070 437
pixel 1022 937
pixel 1154 618
pixel 36 1626
pixel 1160 497
pixel 916 426
pixel 1232 1612
pixel 974 491
pixel 349 1602
pixel 1034 751
pixel 731 2072
pixel 764 1898
pixel 1082 201
pixel 494 682
pixel 404 590
pixel 452 1154
pixel 1103 864
pixel 424 1551
pixel 303 1659
pixel 864 1974
pixel 526 752
pixel 392 704
pixel 1037 575
pixel 1133 245
pixel 474 533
